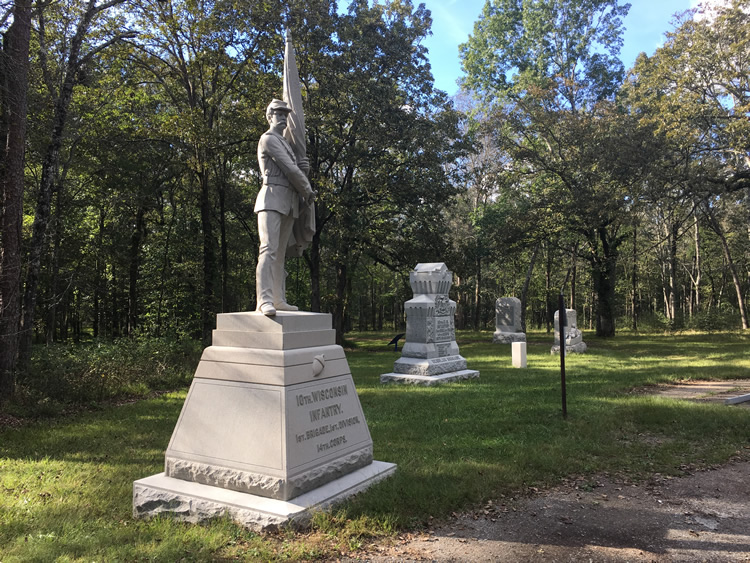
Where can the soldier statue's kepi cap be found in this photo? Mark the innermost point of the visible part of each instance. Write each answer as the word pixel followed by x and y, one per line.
pixel 278 105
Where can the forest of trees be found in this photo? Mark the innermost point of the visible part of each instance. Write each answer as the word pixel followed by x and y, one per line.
pixel 129 166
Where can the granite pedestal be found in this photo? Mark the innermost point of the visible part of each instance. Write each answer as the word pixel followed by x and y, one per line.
pixel 430 355
pixel 271 429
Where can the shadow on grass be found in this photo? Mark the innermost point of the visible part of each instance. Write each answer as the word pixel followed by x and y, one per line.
pixel 126 436
pixel 69 483
pixel 67 489
pixel 465 452
pixel 462 443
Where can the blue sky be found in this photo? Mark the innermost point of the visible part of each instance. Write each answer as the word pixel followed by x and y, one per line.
pixel 453 21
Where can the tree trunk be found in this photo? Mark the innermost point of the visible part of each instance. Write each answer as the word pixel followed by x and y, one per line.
pixel 209 262
pixel 573 276
pixel 339 308
pixel 373 303
pixel 634 280
pixel 549 306
pixel 136 240
pixel 164 273
pixel 64 316
pixel 525 290
pixel 478 294
pixel 14 61
pixel 716 227
pixel 673 234
pixel 313 261
pixel 114 321
pixel 55 260
pixel 697 268
pixel 604 273
pixel 99 274
pixel 225 304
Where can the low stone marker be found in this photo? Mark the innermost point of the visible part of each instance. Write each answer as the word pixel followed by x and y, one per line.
pixel 518 350
pixel 508 321
pixel 573 337
pixel 739 399
pixel 430 354
pixel 271 429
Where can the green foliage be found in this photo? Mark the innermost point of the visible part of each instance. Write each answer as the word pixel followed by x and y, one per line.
pixel 694 93
pixel 68 375
pixel 548 72
pixel 379 135
pixel 571 47
pixel 152 230
pixel 152 223
pixel 713 320
pixel 695 90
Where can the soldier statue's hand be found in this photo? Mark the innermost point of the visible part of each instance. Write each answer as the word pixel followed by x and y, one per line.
pixel 310 195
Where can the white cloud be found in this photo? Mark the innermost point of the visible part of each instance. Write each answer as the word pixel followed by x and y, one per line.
pixel 446 22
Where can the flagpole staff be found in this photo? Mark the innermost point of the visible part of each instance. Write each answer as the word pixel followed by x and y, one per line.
pixel 295 134
pixel 562 321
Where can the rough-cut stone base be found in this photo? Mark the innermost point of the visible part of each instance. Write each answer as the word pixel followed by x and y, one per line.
pixel 266 485
pixel 428 380
pixel 194 502
pixel 433 366
pixel 508 337
pixel 579 348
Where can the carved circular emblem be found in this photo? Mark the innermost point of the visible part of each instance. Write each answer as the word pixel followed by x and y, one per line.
pixel 318 364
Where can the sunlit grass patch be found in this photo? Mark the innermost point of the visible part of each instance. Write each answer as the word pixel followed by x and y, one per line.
pixel 66 482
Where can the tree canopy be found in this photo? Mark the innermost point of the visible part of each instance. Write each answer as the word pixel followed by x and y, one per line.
pixel 128 192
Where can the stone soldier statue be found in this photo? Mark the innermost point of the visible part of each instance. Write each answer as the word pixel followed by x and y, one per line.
pixel 285 190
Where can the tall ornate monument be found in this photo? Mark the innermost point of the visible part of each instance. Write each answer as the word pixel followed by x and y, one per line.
pixel 272 427
pixel 430 354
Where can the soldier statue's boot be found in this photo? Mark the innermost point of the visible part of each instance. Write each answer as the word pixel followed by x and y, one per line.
pixel 267 309
pixel 284 306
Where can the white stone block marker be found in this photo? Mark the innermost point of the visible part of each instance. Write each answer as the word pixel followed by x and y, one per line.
pixel 518 350
pixel 430 354
pixel 271 429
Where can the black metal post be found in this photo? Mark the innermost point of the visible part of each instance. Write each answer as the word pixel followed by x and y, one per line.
pixel 562 320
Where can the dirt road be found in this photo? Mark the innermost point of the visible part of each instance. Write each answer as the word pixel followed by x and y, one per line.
pixel 701 517
pixel 704 516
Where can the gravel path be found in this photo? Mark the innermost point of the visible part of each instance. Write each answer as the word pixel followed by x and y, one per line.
pixel 703 516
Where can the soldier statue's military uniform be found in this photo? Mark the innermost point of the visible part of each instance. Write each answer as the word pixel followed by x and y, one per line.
pixel 285 188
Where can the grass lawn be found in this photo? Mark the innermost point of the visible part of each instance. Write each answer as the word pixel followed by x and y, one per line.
pixel 66 483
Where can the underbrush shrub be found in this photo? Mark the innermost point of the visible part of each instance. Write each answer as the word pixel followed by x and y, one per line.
pixel 84 374
pixel 720 319
pixel 656 321
pixel 725 318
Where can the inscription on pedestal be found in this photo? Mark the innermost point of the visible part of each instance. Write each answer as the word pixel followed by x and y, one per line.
pixel 444 331
pixel 325 418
